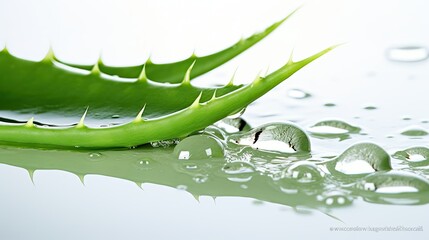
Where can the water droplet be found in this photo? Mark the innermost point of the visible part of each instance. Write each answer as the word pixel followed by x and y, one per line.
pixel 198 147
pixel 361 158
pixel 370 108
pixel 409 154
pixel 279 137
pixel 335 198
pixel 116 116
pixel 425 121
pixel 333 128
pixel 237 114
pixel 406 118
pixel 200 178
pixel 143 164
pixel 298 94
pixel 329 105
pixel 407 54
pixel 394 182
pixel 182 187
pixel 239 171
pixel 165 143
pixel 414 132
pixel 233 125
pixel 303 173
pixel 95 156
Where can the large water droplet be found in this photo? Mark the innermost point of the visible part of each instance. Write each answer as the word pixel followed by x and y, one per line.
pixel 298 94
pixel 199 147
pixel 394 182
pixel 333 129
pixel 361 158
pixel 407 54
pixel 239 171
pixel 280 137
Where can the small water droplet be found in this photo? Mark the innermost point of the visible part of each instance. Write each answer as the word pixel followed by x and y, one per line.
pixel 279 137
pixel 425 121
pixel 407 54
pixel 361 158
pixel 237 114
pixel 335 198
pixel 333 128
pixel 191 167
pixel 414 132
pixel 95 155
pixel 298 94
pixel 143 164
pixel 303 173
pixel 370 108
pixel 200 178
pixel 116 116
pixel 239 171
pixel 329 105
pixel 406 118
pixel 182 187
pixel 199 147
pixel 233 125
pixel 394 182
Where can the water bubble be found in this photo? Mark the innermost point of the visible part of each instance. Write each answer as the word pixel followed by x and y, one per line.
pixel 239 171
pixel 407 54
pixel 406 118
pixel 142 164
pixel 116 116
pixel 333 129
pixel 237 114
pixel 414 154
pixel 200 178
pixel 199 147
pixel 362 158
pixel 233 125
pixel 182 187
pixel 95 156
pixel 335 198
pixel 394 182
pixel 414 132
pixel 165 143
pixel 279 137
pixel 370 108
pixel 298 94
pixel 329 105
pixel 303 173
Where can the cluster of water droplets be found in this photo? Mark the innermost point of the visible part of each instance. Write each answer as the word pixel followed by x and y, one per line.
pixel 280 155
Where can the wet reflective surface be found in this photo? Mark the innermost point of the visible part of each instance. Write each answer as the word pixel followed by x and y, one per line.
pixel 359 116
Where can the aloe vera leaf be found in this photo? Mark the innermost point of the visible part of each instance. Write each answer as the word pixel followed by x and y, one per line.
pixel 183 109
pixel 174 72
